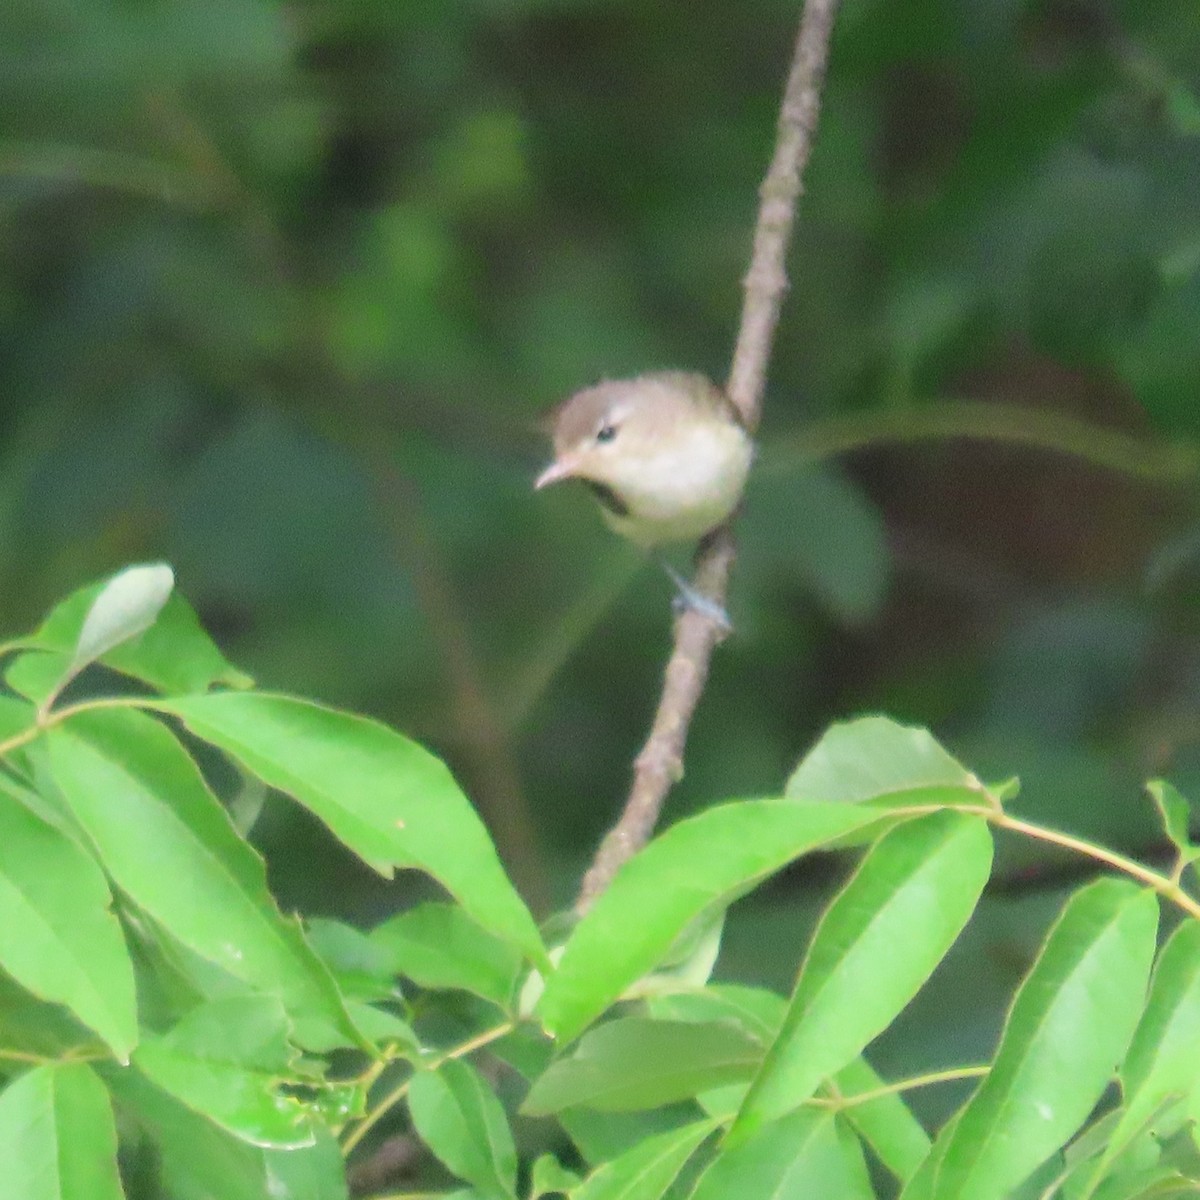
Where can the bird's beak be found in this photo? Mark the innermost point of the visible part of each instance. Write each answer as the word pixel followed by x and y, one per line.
pixel 560 468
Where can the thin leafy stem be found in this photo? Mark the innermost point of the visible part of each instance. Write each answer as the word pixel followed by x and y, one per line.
pixel 837 1103
pixel 57 716
pixel 1164 885
pixel 25 1056
pixel 376 1114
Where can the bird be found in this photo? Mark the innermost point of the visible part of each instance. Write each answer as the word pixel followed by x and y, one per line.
pixel 666 454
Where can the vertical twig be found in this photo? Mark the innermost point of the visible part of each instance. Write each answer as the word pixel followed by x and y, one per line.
pixel 660 763
pixel 488 752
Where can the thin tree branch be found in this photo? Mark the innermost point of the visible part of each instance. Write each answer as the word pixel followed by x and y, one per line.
pixel 488 752
pixel 660 763
pixel 981 420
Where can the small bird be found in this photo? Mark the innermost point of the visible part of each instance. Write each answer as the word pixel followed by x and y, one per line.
pixel 666 454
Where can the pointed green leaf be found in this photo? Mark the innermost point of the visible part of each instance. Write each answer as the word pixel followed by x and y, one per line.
pixel 173 654
pixel 1176 815
pixel 648 1169
pixel 58 935
pixel 126 605
pixel 872 757
pixel 15 716
pixel 550 1177
pixel 878 942
pixel 696 866
pixel 57 1138
pixel 638 1062
pixel 361 969
pixel 202 1161
pixel 1069 1026
pixel 808 1153
pixel 1161 1063
pixel 438 946
pixel 168 843
pixel 757 1012
pixel 389 800
pixel 459 1118
pixel 226 1060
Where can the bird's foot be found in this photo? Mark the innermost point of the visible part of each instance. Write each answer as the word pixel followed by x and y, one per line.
pixel 687 598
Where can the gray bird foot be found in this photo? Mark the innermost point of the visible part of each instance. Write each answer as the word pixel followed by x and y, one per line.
pixel 689 598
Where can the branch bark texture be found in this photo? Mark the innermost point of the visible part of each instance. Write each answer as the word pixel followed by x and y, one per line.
pixel 660 763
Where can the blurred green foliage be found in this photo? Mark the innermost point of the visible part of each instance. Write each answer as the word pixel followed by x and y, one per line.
pixel 285 287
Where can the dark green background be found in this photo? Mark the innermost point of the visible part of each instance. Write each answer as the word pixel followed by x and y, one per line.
pixel 284 289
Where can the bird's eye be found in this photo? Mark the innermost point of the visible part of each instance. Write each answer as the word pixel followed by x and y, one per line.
pixel 606 433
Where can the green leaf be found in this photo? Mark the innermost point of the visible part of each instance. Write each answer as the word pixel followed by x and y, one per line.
pixel 895 1136
pixel 1176 815
pixel 201 1161
pixel 459 1118
pixel 57 1138
pixel 877 943
pixel 226 1060
pixel 381 1025
pixel 166 841
pixel 1161 1063
pixel 438 946
pixel 1068 1027
pixel 37 1028
pixel 173 654
pixel 757 1012
pixel 58 936
pixel 128 604
pixel 696 866
pixel 359 966
pixel 550 1177
pixel 15 716
pixel 808 1153
pixel 389 800
pixel 639 1062
pixel 690 960
pixel 873 757
pixel 648 1169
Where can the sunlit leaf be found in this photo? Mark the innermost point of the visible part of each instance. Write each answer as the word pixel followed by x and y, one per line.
pixel 639 1062
pixel 648 1169
pixel 872 757
pixel 459 1118
pixel 878 942
pixel 58 935
pixel 388 799
pixel 1068 1028
pixel 439 946
pixel 166 841
pixel 806 1154
pixel 227 1060
pixel 57 1137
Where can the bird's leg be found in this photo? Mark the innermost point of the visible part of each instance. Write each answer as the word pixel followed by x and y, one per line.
pixel 687 597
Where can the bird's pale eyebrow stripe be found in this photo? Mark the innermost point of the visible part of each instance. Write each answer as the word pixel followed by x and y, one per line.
pixel 608 498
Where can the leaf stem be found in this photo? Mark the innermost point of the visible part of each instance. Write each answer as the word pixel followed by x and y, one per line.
pixel 1163 884
pixel 49 719
pixel 398 1093
pixel 900 1085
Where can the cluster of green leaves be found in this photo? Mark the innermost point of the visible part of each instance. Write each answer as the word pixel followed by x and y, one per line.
pixel 166 1031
